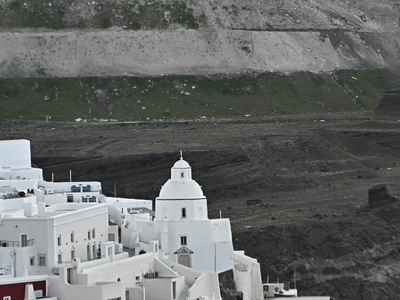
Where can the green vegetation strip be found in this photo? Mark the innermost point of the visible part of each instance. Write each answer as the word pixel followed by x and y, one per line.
pixel 191 97
pixel 96 14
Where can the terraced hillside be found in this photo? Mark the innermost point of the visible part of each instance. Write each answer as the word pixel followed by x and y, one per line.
pixel 113 38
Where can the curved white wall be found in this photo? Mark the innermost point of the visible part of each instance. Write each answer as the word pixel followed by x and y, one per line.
pixel 171 210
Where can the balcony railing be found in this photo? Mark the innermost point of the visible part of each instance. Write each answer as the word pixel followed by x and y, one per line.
pixel 15 244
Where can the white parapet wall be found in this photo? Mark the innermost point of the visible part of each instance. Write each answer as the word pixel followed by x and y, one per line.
pixel 15 154
pixel 204 285
pixel 247 276
pixel 10 207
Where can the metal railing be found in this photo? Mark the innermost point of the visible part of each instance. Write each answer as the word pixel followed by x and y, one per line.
pixel 15 244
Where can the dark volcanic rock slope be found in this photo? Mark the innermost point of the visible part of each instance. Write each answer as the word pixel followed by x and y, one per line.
pixel 220 172
pixel 295 189
pixel 347 258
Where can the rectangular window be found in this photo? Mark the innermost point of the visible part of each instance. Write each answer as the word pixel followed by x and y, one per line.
pixel 111 237
pixel 70 198
pixel 93 233
pixel 42 260
pixel 24 240
pixel 32 260
pixel 88 252
pixel 72 237
pixel 183 240
pixel 60 258
pixel 72 254
pixel 94 255
pixel 174 290
pixel 7 298
pixel 89 235
pixel 183 212
pixel 137 281
pixel 59 240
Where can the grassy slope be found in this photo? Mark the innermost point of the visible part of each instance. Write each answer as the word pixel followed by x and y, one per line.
pixel 153 98
pixel 57 15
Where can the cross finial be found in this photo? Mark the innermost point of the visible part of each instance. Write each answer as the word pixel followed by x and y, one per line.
pixel 181 155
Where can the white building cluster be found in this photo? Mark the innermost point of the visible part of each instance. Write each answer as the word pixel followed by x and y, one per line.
pixel 65 240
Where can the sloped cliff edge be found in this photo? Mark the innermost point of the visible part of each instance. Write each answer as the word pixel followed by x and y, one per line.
pixel 146 53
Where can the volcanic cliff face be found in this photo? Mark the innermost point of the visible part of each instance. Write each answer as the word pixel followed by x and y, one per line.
pixel 108 38
pixel 302 194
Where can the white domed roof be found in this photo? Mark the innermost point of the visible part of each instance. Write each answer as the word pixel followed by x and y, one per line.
pixel 181 164
pixel 181 185
pixel 181 189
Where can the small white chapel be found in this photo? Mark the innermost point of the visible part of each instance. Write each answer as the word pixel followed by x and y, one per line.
pixel 186 236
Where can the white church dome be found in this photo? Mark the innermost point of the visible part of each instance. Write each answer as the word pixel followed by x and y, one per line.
pixel 181 164
pixel 181 185
pixel 174 189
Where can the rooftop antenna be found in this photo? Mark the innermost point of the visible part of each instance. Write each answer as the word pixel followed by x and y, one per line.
pixel 294 278
pixel 115 189
pixel 181 155
pixel 70 176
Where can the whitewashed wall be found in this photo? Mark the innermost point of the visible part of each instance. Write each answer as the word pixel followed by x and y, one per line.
pixel 247 277
pixel 207 285
pixel 7 261
pixel 16 154
pixel 81 223
pixel 212 251
pixel 172 209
